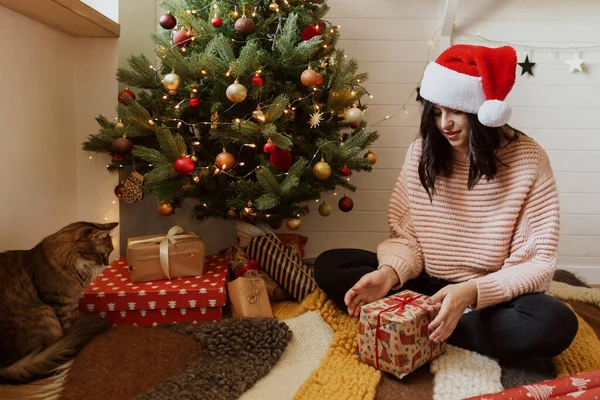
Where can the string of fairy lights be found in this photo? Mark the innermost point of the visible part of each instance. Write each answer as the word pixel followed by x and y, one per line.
pixel 552 50
pixel 258 115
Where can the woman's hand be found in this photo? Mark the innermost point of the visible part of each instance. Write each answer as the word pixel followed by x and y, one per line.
pixel 455 300
pixel 371 287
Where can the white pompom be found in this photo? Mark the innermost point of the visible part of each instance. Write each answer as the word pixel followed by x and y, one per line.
pixel 494 113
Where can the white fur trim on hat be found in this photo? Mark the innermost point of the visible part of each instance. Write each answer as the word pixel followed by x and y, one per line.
pixel 494 113
pixel 448 88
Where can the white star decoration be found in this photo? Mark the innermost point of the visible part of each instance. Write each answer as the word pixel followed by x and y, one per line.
pixel 575 64
pixel 315 119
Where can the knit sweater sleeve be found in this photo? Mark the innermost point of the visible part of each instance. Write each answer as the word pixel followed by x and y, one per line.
pixel 532 260
pixel 402 250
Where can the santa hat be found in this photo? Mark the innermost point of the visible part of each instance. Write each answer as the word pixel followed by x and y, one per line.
pixel 472 79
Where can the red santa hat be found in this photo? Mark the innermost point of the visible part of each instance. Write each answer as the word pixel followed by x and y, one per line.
pixel 473 79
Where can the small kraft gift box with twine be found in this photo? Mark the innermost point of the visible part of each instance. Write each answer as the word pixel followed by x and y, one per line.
pixel 249 298
pixel 393 334
pixel 177 254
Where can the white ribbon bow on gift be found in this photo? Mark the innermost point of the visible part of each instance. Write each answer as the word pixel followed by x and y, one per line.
pixel 174 234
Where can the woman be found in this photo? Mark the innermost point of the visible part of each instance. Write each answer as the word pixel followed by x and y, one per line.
pixel 473 217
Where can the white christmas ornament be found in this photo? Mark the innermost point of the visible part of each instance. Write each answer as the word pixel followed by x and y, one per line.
pixel 575 64
pixel 353 115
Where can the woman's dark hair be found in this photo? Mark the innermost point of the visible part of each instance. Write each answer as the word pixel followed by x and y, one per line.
pixel 437 154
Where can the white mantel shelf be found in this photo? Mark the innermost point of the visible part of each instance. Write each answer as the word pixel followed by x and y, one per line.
pixel 72 17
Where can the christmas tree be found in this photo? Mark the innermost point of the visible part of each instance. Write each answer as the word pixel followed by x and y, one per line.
pixel 253 112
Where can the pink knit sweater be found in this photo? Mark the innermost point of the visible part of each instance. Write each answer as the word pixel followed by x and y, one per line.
pixel 502 234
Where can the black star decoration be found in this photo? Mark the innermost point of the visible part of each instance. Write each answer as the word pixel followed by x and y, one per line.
pixel 527 66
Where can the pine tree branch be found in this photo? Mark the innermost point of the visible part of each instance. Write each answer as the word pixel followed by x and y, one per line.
pixel 220 46
pixel 141 76
pixel 152 156
pixel 160 173
pixel 246 62
pixel 268 181
pixel 266 201
pixel 172 145
pixel 280 141
pixel 275 110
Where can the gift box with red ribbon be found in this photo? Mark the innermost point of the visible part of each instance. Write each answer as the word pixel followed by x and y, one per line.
pixel 192 299
pixel 393 333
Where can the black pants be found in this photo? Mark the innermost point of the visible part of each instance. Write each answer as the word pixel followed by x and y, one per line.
pixel 532 325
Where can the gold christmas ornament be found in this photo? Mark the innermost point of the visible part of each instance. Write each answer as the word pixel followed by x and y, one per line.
pixel 120 125
pixel 309 77
pixel 258 115
pixel 249 213
pixel 172 82
pixel 225 160
pixel 325 209
pixel 371 156
pixel 274 7
pixel 236 92
pixel 353 115
pixel 293 223
pixel 322 170
pixel 165 209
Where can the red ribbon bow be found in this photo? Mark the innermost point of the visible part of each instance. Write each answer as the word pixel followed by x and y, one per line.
pixel 399 303
pixel 252 265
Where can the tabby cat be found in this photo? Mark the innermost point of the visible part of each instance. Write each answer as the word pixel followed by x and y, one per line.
pixel 40 325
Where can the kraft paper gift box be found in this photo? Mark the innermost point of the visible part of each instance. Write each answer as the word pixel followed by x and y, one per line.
pixel 249 298
pixel 199 298
pixel 177 254
pixel 393 333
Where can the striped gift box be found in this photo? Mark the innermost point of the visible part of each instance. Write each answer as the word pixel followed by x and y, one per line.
pixel 284 264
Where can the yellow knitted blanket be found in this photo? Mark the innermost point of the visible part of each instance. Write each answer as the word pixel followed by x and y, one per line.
pixel 341 376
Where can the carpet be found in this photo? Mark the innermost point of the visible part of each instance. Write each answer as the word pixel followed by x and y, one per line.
pixel 319 362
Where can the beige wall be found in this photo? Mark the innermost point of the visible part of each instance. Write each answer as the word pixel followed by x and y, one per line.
pixel 390 39
pixel 53 86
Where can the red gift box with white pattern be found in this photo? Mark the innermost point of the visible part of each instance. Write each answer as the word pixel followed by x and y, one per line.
pixel 583 386
pixel 197 298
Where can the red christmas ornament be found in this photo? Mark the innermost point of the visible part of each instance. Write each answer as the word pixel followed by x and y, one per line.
pixel 269 147
pixel 281 159
pixel 310 32
pixel 320 80
pixel 182 38
pixel 167 21
pixel 217 22
pixel 322 25
pixel 345 171
pixel 184 165
pixel 194 101
pixel 118 157
pixel 257 80
pixel 346 204
pixel 354 125
pixel 125 93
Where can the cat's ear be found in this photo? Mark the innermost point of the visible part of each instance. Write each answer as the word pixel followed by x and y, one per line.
pixel 107 227
pixel 104 230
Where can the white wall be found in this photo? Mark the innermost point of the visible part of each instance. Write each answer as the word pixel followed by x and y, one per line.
pixel 560 110
pixel 390 39
pixel 53 85
pixel 109 8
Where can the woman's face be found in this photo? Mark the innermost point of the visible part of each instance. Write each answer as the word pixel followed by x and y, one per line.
pixel 454 126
